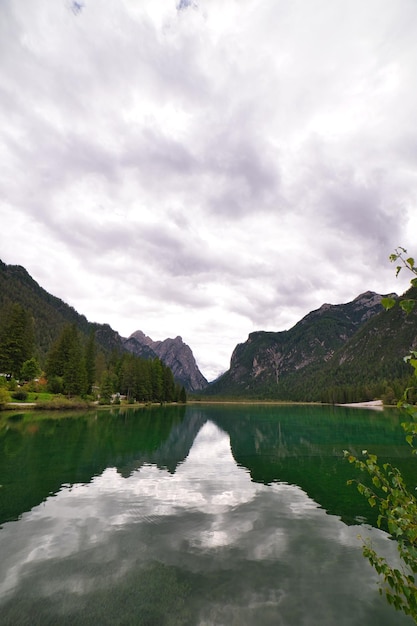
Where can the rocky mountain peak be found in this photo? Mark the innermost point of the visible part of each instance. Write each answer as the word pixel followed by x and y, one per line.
pixel 142 338
pixel 176 354
pixel 369 303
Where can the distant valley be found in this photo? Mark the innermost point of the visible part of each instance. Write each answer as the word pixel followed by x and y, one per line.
pixel 338 353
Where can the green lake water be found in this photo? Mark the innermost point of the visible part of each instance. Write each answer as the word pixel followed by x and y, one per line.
pixel 199 515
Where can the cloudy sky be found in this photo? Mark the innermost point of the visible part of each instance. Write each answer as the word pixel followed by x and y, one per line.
pixel 207 168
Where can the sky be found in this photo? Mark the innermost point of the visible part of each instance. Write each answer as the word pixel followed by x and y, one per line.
pixel 207 168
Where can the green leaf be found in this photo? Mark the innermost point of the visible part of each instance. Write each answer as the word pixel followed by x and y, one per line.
pixel 410 261
pixel 388 303
pixel 407 305
pixel 376 481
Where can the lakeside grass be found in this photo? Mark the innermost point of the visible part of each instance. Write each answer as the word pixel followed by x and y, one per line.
pixel 35 396
pixel 50 402
pixel 44 401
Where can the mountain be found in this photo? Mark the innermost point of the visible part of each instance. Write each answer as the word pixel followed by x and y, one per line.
pixel 354 344
pixel 176 354
pixel 51 314
pixel 338 353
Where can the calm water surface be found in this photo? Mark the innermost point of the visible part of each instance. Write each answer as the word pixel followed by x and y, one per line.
pixel 202 515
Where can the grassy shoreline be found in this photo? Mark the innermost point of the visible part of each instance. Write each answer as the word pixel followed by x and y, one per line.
pixel 78 403
pixel 64 404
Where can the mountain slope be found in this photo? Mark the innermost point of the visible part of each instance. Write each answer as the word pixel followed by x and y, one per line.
pixel 50 314
pixel 356 347
pixel 324 349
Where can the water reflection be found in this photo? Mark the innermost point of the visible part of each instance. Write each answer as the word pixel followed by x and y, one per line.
pixel 299 445
pixel 37 455
pixel 203 543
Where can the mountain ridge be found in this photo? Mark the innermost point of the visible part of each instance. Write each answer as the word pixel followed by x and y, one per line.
pixel 50 314
pixel 356 345
pixel 320 353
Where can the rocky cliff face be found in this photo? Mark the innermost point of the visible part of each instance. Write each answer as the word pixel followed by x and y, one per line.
pixel 176 354
pixel 137 346
pixel 267 357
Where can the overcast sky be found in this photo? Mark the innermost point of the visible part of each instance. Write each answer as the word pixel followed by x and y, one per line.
pixel 207 168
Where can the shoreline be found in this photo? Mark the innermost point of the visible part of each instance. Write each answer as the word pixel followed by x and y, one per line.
pixel 376 405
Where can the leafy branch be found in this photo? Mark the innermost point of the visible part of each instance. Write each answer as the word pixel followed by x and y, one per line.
pixel 397 512
pixel 399 256
pixel 397 504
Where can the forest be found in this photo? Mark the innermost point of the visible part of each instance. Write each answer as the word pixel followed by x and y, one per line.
pixel 75 366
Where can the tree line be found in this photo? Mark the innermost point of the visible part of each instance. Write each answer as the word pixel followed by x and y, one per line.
pixel 76 366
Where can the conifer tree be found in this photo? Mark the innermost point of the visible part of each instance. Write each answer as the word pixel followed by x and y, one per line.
pixel 106 388
pixel 183 395
pixel 143 382
pixel 66 360
pixel 169 384
pixel 75 375
pixel 16 340
pixel 90 362
pixel 157 380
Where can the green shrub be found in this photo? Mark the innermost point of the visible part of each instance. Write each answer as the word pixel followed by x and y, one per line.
pixel 60 403
pixel 4 397
pixel 20 395
pixel 55 384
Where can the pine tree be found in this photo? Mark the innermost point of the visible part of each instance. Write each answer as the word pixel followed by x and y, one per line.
pixel 127 376
pixel 16 340
pixel 169 384
pixel 90 362
pixel 106 389
pixel 66 360
pixel 157 380
pixel 183 395
pixel 75 375
pixel 143 380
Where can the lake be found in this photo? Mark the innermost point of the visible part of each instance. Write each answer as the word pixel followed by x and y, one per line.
pixel 200 515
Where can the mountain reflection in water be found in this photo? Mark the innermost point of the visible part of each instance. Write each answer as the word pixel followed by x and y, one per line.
pixel 209 515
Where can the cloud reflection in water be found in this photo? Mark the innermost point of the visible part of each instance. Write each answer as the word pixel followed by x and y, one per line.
pixel 246 552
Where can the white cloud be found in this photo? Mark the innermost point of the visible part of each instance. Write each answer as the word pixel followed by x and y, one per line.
pixel 220 166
